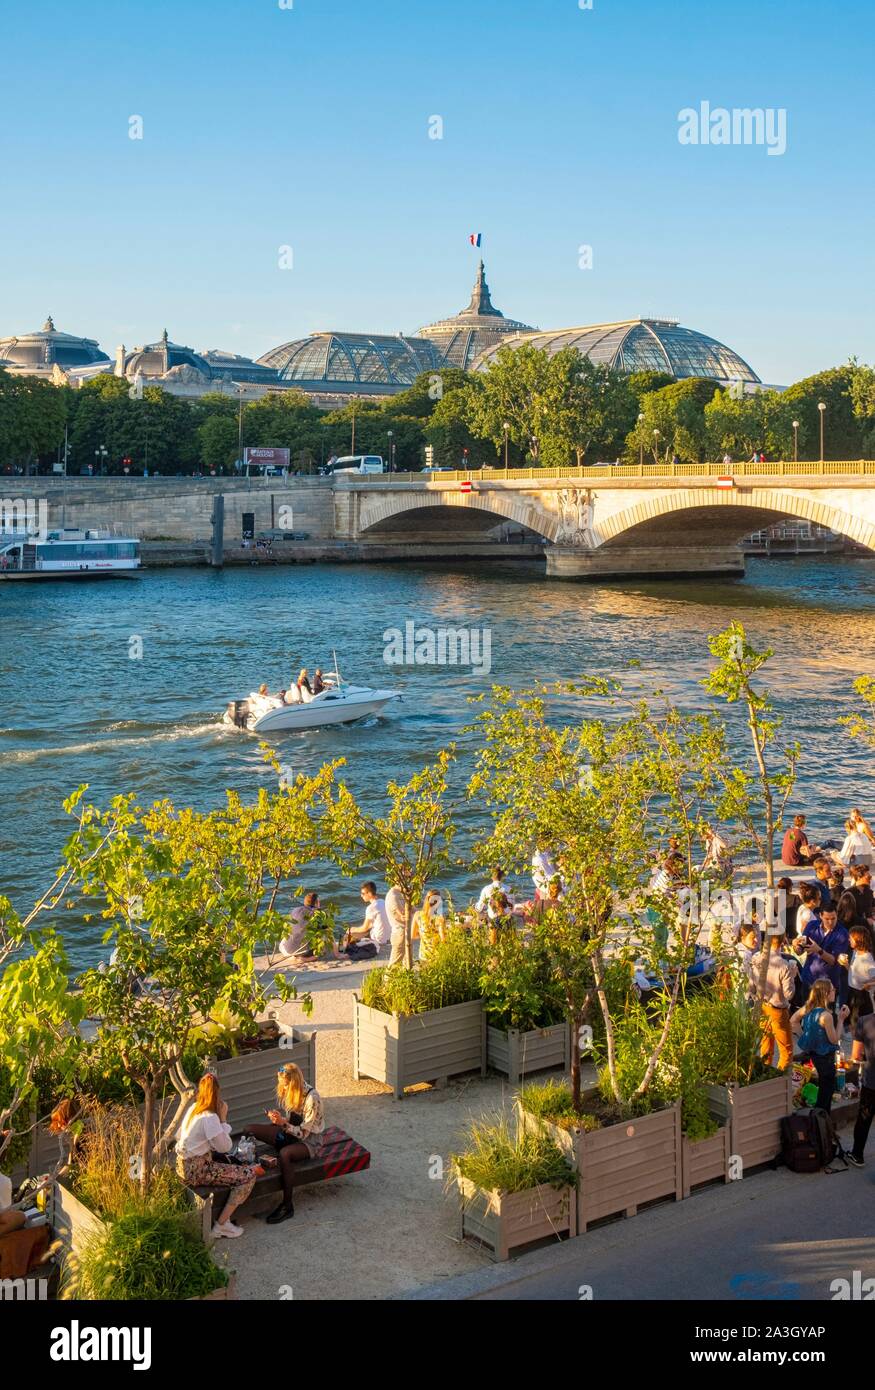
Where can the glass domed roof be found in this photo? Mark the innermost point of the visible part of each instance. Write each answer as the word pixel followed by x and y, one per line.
pixel 642 345
pixel 353 363
pixel 480 326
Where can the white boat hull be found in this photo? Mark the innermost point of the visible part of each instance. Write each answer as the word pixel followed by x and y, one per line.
pixel 331 707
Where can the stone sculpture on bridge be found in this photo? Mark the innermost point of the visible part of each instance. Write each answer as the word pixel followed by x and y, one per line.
pixel 576 513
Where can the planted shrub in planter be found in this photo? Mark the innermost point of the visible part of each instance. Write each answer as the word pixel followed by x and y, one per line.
pixel 413 1026
pixel 525 1026
pixel 624 1158
pixel 151 1255
pixel 514 1188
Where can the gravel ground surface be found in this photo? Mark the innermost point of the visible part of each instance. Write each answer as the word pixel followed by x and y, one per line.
pixel 380 1233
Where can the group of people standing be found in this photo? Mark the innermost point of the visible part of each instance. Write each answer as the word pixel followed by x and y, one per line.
pixel 820 973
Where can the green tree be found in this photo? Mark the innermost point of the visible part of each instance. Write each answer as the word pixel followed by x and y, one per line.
pixel 672 421
pixel 741 423
pixel 756 800
pixel 845 434
pixel 518 389
pixel 32 418
pixel 411 843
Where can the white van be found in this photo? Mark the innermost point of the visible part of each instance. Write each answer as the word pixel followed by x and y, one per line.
pixel 357 463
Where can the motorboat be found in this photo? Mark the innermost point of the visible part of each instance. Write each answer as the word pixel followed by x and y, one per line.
pixel 338 703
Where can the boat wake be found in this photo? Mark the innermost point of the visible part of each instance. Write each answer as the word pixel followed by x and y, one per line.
pixel 174 735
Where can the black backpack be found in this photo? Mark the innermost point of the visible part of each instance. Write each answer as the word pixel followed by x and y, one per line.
pixel 810 1142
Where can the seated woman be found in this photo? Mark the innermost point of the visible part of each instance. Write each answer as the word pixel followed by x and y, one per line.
pixel 296 1130
pixel 428 923
pixel 203 1134
pixel 292 695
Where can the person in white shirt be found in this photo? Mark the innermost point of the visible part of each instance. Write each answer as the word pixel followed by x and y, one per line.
pixel 497 885
pixel 366 941
pixel 296 941
pixel 777 1000
pixel 857 848
pixel 543 869
pixel 205 1132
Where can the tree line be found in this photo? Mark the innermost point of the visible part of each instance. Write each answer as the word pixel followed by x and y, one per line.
pixel 527 408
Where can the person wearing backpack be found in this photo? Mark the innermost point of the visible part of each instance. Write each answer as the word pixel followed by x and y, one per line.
pixel 815 1028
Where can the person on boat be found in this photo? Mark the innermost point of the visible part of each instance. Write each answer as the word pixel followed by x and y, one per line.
pixel 204 1133
pixel 304 688
pixel 296 1130
pixel 318 682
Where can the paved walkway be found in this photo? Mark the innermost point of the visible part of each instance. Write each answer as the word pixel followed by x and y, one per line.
pixel 775 1235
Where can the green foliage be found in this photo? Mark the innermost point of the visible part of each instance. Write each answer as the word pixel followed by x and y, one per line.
pixel 498 1159
pixel 146 1256
pixel 100 1172
pixel 739 423
pixel 677 413
pixel 846 434
pixel 517 985
pixel 861 724
pixel 32 414
pixel 452 974
pixel 554 1101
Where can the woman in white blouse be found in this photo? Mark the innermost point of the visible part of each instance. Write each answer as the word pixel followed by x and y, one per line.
pixel 204 1133
pixel 857 848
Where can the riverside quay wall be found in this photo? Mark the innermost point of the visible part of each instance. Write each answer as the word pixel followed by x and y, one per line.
pixel 180 509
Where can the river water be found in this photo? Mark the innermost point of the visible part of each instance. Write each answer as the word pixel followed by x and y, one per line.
pixel 78 705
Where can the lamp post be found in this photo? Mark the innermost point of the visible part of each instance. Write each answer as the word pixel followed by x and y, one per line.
pixel 822 408
pixel 656 446
pixel 101 454
pixel 240 427
pixel 352 444
pixel 64 496
pixel 641 439
pixel 795 441
pixel 506 435
pixel 391 460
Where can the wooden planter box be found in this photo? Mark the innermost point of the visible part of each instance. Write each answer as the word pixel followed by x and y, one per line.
pixel 505 1221
pixel 517 1054
pixel 753 1115
pixel 405 1051
pixel 248 1081
pixel 621 1167
pixel 705 1160
pixel 73 1222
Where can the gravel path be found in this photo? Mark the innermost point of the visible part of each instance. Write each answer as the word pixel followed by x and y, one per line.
pixel 383 1232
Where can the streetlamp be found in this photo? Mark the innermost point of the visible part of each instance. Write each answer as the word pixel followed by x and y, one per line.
pixel 101 454
pixel 506 434
pixel 391 460
pixel 822 408
pixel 240 426
pixel 641 439
pixel 795 441
pixel 656 446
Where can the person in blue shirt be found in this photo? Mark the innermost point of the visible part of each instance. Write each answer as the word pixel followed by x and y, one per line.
pixel 818 1035
pixel 824 941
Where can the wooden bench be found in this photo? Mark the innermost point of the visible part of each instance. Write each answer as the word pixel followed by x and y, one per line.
pixel 340 1155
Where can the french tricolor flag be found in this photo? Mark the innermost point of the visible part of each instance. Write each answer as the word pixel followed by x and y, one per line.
pixel 475 238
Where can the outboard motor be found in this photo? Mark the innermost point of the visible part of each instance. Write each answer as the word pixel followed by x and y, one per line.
pixel 238 714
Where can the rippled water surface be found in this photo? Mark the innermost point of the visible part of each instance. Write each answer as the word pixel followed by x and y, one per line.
pixel 75 708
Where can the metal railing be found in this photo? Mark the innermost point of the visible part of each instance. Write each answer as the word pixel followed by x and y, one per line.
pixel 832 468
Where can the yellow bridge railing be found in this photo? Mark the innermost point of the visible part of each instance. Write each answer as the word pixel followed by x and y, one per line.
pixel 832 468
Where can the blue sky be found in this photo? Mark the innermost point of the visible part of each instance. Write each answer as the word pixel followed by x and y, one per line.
pixel 308 127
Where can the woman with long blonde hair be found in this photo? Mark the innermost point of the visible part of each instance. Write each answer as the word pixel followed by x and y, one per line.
pixel 204 1133
pixel 428 923
pixel 296 1130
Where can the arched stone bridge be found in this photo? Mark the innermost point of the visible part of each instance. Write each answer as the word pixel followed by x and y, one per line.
pixel 614 519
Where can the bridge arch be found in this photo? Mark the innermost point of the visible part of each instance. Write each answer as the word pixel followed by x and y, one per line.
pixel 391 512
pixel 696 516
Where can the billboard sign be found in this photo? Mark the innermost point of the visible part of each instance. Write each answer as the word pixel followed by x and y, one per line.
pixel 266 458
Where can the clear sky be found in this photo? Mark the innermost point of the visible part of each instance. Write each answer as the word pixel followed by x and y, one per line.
pixel 266 127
